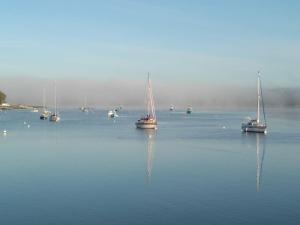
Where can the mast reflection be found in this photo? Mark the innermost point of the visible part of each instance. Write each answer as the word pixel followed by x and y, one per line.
pixel 260 155
pixel 150 135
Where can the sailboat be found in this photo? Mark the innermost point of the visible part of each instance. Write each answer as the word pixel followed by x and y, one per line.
pixel 189 110
pixel 257 125
pixel 54 117
pixel 84 108
pixel 148 121
pixel 172 108
pixel 112 114
pixel 45 113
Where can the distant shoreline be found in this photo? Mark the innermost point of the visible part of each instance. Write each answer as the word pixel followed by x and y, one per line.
pixel 19 107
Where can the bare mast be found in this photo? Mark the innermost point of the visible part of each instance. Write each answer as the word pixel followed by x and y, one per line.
pixel 150 99
pixel 258 97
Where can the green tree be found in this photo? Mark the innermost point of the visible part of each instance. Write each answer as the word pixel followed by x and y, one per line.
pixel 2 97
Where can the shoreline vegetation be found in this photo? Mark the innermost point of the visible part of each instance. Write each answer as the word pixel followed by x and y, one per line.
pixel 5 106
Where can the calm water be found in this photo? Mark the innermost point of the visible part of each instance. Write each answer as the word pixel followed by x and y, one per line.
pixel 195 169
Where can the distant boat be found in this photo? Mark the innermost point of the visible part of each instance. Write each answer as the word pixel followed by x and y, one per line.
pixel 112 114
pixel 189 110
pixel 172 108
pixel 148 121
pixel 45 113
pixel 118 109
pixel 34 110
pixel 54 117
pixel 84 108
pixel 257 125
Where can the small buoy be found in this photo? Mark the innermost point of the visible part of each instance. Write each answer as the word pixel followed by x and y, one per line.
pixel 4 132
pixel 28 125
pixel 223 127
pixel 25 123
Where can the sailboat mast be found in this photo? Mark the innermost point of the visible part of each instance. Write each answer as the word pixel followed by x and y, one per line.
pixel 258 98
pixel 44 99
pixel 151 108
pixel 55 105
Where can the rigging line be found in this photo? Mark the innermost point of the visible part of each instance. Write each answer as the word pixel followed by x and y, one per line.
pixel 263 104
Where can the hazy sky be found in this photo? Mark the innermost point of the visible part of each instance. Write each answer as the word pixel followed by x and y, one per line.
pixel 179 42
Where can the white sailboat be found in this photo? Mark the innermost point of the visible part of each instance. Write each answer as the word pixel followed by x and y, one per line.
pixel 112 114
pixel 84 108
pixel 257 125
pixel 54 117
pixel 148 121
pixel 45 113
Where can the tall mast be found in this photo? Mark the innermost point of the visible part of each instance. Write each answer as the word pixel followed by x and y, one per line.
pixel 55 106
pixel 44 99
pixel 258 97
pixel 85 101
pixel 150 99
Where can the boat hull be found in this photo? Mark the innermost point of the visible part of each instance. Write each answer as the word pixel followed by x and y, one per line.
pixel 43 117
pixel 254 129
pixel 54 118
pixel 141 125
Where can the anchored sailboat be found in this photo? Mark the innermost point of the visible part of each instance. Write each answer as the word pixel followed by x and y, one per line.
pixel 257 125
pixel 54 117
pixel 189 110
pixel 148 121
pixel 84 108
pixel 112 113
pixel 45 113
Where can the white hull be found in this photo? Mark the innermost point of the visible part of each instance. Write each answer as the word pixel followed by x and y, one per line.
pixel 261 129
pixel 112 114
pixel 146 125
pixel 54 118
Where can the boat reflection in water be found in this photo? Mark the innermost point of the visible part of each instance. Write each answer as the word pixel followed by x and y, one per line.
pixel 260 155
pixel 150 137
pixel 259 140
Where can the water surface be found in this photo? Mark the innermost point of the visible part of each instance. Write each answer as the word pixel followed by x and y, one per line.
pixel 195 169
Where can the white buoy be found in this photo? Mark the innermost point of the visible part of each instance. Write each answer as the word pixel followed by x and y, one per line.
pixel 25 123
pixel 4 132
pixel 28 125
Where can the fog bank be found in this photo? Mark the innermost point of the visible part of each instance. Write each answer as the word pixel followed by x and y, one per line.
pixel 131 93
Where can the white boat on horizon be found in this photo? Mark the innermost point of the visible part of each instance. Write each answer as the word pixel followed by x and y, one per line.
pixel 45 113
pixel 257 125
pixel 189 110
pixel 149 121
pixel 112 114
pixel 84 108
pixel 54 117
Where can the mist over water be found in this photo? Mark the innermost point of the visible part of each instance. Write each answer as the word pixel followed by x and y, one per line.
pixel 131 93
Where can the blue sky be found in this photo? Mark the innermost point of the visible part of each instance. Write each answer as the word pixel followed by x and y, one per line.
pixel 177 41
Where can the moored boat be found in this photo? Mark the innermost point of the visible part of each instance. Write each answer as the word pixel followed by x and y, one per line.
pixel 257 125
pixel 149 121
